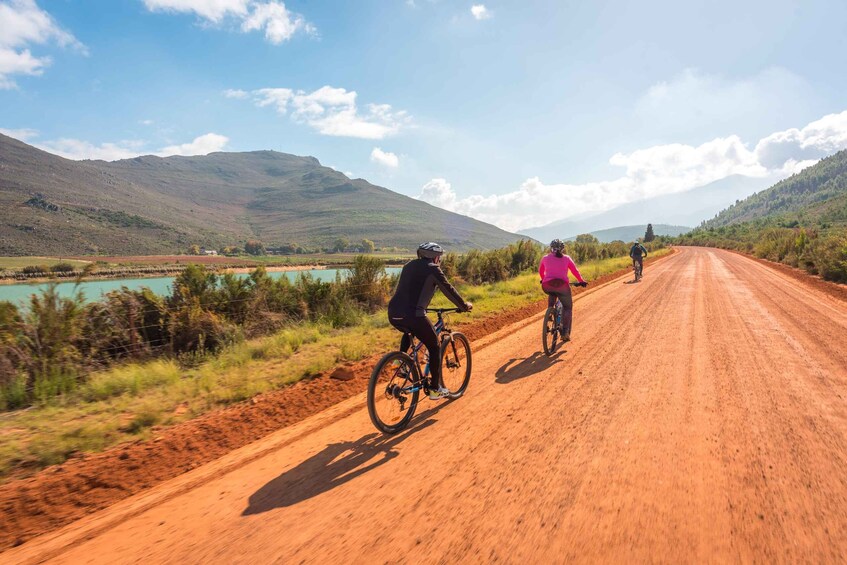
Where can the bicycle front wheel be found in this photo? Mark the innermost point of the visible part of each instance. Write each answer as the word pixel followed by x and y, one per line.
pixel 550 332
pixel 393 392
pixel 456 364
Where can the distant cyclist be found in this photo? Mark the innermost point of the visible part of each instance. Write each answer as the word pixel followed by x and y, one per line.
pixel 637 252
pixel 407 308
pixel 553 270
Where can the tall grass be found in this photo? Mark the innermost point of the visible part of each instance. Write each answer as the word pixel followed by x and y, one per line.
pixel 820 252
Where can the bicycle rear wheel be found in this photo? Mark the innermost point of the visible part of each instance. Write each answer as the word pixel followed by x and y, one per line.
pixel 550 332
pixel 393 392
pixel 456 364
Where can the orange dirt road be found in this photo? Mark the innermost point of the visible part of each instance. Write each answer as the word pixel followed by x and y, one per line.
pixel 700 415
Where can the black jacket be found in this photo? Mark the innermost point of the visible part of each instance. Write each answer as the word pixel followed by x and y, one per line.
pixel 418 281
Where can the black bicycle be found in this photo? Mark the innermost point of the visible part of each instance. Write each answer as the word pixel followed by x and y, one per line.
pixel 552 330
pixel 638 267
pixel 398 378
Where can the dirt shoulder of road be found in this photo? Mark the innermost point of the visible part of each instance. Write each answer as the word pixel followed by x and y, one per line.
pixel 64 493
pixel 833 289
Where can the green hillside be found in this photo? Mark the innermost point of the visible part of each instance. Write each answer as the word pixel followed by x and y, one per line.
pixel 150 205
pixel 812 195
pixel 800 221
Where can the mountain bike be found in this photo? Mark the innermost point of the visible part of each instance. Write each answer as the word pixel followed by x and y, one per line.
pixel 552 329
pixel 399 377
pixel 638 267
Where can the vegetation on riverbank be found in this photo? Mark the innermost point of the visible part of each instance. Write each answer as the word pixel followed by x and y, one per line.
pixel 34 269
pixel 110 405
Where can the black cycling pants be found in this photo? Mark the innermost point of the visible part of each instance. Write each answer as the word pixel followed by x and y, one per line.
pixel 421 328
pixel 563 293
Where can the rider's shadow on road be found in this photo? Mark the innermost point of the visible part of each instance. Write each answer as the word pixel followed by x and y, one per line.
pixel 335 465
pixel 521 368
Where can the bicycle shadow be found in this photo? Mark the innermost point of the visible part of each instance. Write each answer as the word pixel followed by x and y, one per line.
pixel 335 465
pixel 513 370
pixel 631 282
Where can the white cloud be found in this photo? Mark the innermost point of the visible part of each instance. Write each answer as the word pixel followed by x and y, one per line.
pixel 480 12
pixel 22 134
pixel 277 97
pixel 439 192
pixel 235 93
pixel 212 10
pixel 146 122
pixel 279 24
pixel 23 24
pixel 333 111
pixel 384 158
pixel 271 16
pixel 202 145
pixel 815 141
pixel 78 149
pixel 662 169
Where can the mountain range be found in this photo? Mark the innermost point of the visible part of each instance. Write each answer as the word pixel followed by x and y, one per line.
pixel 154 205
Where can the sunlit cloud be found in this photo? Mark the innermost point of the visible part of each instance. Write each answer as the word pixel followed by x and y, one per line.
pixel 480 12
pixel 333 111
pixel 22 134
pixel 649 172
pixel 271 17
pixel 385 158
pixel 78 149
pixel 23 25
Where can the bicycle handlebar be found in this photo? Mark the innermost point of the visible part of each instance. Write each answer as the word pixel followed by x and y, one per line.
pixel 443 310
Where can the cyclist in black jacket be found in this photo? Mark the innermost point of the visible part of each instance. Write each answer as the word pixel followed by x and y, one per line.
pixel 637 252
pixel 407 308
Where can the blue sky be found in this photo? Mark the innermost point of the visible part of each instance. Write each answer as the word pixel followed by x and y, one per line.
pixel 518 113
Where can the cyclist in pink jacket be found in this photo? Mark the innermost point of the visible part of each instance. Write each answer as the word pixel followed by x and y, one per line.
pixel 553 270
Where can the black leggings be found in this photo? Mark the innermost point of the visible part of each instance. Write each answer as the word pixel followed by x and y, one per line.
pixel 421 328
pixel 565 297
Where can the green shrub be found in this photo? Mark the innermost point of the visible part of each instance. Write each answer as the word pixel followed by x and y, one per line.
pixel 12 388
pixel 366 282
pixel 829 257
pixel 35 270
pixel 51 332
pixel 195 330
pixel 62 268
pixel 125 324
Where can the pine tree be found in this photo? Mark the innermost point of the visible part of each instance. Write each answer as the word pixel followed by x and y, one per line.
pixel 649 236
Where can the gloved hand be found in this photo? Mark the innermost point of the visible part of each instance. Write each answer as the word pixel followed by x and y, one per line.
pixel 468 307
pixel 583 284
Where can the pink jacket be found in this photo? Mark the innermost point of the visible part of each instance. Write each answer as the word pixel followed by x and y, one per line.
pixel 553 267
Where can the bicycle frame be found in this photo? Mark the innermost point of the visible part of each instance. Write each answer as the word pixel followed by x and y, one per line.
pixel 417 345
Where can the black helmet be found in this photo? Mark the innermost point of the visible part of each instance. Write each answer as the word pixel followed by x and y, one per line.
pixel 557 245
pixel 430 250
